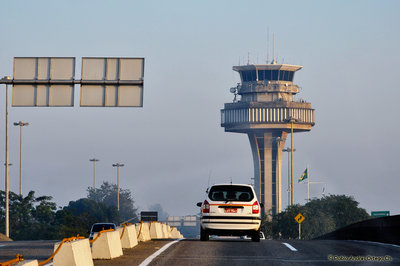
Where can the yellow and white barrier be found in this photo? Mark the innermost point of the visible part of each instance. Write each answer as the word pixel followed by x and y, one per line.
pixel 107 246
pixel 75 252
pixel 128 236
pixel 143 232
pixel 169 231
pixel 156 231
pixel 27 263
pixel 175 233
pixel 164 230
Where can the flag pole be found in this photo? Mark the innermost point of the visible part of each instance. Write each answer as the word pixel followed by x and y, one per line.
pixel 308 184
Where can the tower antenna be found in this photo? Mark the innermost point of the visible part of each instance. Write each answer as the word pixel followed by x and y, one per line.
pixel 273 49
pixel 267 45
pixel 248 58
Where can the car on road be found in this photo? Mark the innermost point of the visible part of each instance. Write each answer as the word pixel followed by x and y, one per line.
pixel 97 227
pixel 230 210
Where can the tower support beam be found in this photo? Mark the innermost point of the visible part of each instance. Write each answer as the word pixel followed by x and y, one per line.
pixel 267 158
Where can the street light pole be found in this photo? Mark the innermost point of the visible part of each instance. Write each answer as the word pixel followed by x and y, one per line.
pixel 94 160
pixel 288 175
pixel 278 177
pixel 20 124
pixel 7 79
pixel 291 120
pixel 118 165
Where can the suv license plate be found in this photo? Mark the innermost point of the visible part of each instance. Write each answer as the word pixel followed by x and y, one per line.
pixel 230 210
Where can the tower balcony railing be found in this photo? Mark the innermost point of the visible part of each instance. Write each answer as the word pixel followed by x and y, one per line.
pixel 266 115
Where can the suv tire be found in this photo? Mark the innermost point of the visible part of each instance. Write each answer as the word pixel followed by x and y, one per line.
pixel 204 236
pixel 255 237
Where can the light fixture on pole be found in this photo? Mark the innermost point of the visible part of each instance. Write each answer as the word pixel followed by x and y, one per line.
pixel 291 120
pixel 94 160
pixel 20 124
pixel 288 150
pixel 118 165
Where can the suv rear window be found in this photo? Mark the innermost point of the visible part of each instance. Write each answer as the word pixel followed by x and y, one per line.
pixel 231 193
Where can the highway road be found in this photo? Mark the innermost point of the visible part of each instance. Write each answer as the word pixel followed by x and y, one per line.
pixel 233 252
pixel 277 252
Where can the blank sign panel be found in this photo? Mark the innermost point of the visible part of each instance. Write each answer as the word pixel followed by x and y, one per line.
pixel 43 81
pixel 112 82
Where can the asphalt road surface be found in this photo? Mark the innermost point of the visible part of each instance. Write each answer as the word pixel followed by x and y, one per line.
pixel 276 252
pixel 229 251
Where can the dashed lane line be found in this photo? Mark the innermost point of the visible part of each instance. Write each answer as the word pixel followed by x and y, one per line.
pixel 155 254
pixel 289 246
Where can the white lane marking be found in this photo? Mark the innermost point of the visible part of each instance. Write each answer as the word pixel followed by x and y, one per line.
pixel 155 254
pixel 378 243
pixel 290 247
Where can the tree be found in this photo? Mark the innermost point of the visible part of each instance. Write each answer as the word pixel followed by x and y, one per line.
pixel 107 194
pixel 322 216
pixel 78 217
pixel 30 217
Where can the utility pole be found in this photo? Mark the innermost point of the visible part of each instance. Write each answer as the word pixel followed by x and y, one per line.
pixel 118 165
pixel 20 124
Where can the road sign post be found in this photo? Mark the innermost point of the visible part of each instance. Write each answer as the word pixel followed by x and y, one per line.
pixel 299 219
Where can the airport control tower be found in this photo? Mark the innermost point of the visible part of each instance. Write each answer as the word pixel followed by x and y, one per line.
pixel 267 112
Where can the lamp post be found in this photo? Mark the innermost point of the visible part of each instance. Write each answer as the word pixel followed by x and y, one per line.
pixel 20 124
pixel 288 150
pixel 94 160
pixel 118 165
pixel 7 80
pixel 291 120
pixel 278 177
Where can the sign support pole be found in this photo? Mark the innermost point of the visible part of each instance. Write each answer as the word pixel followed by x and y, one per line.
pixel 299 231
pixel 7 170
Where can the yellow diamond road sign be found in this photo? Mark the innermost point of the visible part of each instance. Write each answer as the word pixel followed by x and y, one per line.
pixel 299 218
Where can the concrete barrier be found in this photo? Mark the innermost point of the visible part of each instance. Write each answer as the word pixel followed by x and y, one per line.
pixel 384 229
pixel 143 232
pixel 76 252
pixel 156 230
pixel 165 230
pixel 169 231
pixel 27 263
pixel 129 238
pixel 107 246
pixel 175 233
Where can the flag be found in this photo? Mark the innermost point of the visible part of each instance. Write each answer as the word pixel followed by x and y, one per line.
pixel 303 176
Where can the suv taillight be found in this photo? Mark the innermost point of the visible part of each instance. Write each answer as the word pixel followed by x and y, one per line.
pixel 206 207
pixel 256 208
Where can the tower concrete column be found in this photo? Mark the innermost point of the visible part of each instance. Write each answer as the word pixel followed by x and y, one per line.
pixel 267 158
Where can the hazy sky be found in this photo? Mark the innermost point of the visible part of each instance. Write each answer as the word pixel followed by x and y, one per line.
pixel 349 51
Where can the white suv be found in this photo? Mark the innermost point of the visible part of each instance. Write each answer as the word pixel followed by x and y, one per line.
pixel 230 210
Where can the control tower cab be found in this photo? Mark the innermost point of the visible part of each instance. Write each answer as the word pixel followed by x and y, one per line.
pixel 267 112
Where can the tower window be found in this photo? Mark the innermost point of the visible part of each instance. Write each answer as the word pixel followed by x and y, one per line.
pixel 283 75
pixel 249 75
